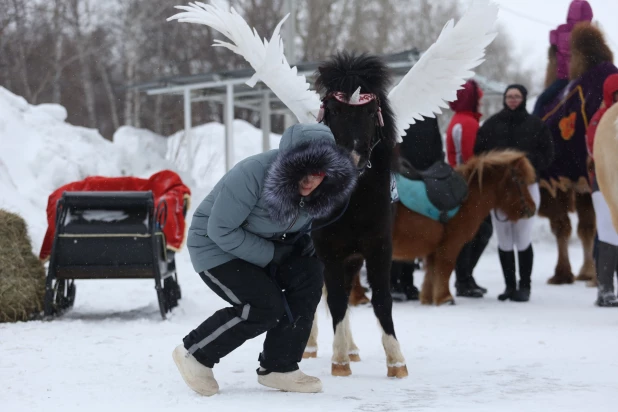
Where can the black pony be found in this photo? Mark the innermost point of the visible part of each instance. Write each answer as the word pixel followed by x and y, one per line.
pixel 365 125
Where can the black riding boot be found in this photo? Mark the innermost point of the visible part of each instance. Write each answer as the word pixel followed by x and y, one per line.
pixel 507 260
pixel 397 292
pixel 465 285
pixel 402 282
pixel 606 265
pixel 407 281
pixel 525 258
pixel 479 243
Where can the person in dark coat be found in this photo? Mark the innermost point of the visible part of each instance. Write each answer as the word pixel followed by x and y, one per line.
pixel 515 128
pixel 249 240
pixel 422 147
pixel 460 140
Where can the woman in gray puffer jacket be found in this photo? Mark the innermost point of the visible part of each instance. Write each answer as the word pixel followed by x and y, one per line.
pixel 248 240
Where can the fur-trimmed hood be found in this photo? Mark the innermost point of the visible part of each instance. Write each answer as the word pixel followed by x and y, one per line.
pixel 588 49
pixel 306 149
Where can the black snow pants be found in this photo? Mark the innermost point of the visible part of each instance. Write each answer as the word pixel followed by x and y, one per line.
pixel 258 307
pixel 472 251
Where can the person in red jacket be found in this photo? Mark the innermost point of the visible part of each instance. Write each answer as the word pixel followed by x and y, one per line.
pixel 460 139
pixel 461 132
pixel 607 244
pixel 610 96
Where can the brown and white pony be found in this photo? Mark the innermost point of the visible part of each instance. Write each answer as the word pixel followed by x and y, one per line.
pixel 496 180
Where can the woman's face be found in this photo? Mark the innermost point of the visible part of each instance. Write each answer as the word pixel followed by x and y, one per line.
pixel 308 184
pixel 513 98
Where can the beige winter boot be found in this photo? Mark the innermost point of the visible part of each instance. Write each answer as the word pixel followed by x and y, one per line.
pixel 295 381
pixel 197 376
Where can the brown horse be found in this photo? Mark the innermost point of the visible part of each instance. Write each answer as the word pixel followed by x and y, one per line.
pixel 558 199
pixel 496 180
pixel 559 194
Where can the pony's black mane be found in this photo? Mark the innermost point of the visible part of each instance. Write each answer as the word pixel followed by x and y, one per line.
pixel 345 71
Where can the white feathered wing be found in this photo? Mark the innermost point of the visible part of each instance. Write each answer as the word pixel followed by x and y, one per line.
pixel 266 57
pixel 444 67
pixel 428 86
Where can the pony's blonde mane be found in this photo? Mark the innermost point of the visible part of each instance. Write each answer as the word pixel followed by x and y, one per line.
pixel 496 160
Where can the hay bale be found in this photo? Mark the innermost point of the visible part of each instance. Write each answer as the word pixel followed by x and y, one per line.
pixel 22 274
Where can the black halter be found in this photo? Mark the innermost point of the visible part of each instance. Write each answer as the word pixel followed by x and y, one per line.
pixel 375 140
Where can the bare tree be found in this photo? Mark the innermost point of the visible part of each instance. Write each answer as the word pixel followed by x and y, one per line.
pixel 87 54
pixel 79 15
pixel 58 17
pixel 19 10
pixel 315 27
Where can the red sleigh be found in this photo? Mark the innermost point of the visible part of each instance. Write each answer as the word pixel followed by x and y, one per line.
pixel 115 228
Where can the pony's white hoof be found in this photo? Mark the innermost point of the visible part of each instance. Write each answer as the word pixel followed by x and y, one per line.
pixel 341 370
pixel 397 371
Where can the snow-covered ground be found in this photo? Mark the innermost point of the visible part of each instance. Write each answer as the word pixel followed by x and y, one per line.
pixel 112 351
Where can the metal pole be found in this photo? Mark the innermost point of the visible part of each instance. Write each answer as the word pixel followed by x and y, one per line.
pixel 187 113
pixel 265 113
pixel 290 48
pixel 229 126
pixel 290 31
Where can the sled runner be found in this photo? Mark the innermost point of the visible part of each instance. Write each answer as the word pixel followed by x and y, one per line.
pixel 110 235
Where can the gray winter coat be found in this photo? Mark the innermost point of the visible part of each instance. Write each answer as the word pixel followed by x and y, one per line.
pixel 258 200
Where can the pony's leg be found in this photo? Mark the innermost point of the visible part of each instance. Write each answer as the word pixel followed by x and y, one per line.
pixel 557 210
pixel 357 294
pixel 353 351
pixel 427 288
pixel 337 300
pixel 311 350
pixel 441 274
pixel 352 268
pixel 586 229
pixel 378 274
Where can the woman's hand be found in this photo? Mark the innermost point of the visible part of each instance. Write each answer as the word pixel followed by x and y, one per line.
pixel 304 246
pixel 282 252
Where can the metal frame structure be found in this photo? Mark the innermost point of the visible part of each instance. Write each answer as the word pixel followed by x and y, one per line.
pixel 229 88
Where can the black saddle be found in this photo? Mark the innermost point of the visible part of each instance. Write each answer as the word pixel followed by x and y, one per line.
pixel 446 189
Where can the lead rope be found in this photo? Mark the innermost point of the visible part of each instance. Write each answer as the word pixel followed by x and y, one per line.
pixel 273 269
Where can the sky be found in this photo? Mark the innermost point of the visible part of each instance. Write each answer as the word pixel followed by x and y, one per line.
pixel 528 22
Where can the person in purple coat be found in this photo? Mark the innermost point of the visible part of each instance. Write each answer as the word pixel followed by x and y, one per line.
pixel 569 114
pixel 560 53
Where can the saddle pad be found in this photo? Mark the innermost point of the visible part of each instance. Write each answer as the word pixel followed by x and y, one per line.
pixel 394 194
pixel 413 195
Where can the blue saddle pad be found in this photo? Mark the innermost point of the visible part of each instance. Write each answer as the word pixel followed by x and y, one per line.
pixel 413 195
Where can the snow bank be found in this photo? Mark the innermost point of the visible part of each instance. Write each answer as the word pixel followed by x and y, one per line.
pixel 41 152
pixel 208 147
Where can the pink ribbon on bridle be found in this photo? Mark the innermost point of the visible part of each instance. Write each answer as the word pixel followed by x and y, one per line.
pixel 357 99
